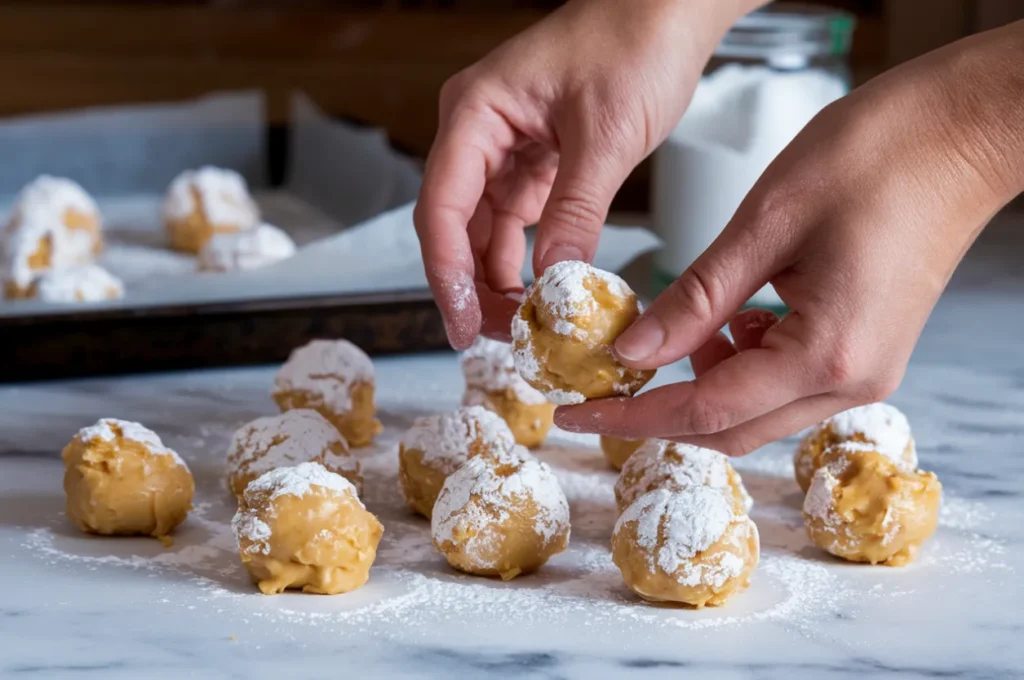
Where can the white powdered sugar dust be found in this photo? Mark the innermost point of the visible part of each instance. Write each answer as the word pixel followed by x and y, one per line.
pixel 109 429
pixel 82 283
pixel 563 290
pixel 298 481
pixel 882 424
pixel 223 194
pixel 249 249
pixel 676 466
pixel 326 370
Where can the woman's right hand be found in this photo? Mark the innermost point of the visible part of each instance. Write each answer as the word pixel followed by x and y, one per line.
pixel 544 130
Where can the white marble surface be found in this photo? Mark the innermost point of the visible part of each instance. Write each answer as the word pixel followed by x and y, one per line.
pixel 72 605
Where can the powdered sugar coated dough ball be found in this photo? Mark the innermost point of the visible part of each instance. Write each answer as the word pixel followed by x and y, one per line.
pixel 297 436
pixel 564 330
pixel 82 283
pixel 305 527
pixel 61 203
pixel 686 547
pixel 864 507
pixel 880 424
pixel 660 464
pixel 119 478
pixel 492 382
pixel 334 378
pixel 501 516
pixel 252 249
pixel 205 202
pixel 436 446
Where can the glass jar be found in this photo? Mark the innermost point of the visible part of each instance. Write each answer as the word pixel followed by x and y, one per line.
pixel 774 70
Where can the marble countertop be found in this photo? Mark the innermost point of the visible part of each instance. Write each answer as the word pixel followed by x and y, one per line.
pixel 130 608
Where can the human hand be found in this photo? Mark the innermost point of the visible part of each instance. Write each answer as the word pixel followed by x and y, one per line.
pixel 544 130
pixel 858 224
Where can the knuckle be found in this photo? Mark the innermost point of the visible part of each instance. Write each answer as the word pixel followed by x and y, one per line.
pixel 699 291
pixel 879 386
pixel 705 418
pixel 577 213
pixel 838 369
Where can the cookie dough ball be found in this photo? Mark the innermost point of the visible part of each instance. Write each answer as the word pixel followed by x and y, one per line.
pixel 864 507
pixel 259 247
pixel 492 382
pixel 120 479
pixel 334 378
pixel 33 250
pixel 687 547
pixel 564 330
pixel 882 425
pixel 304 527
pixel 436 446
pixel 298 436
pixel 618 451
pixel 64 205
pixel 501 516
pixel 205 202
pixel 83 283
pixel 660 464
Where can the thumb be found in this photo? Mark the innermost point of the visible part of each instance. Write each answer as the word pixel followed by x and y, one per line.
pixel 570 224
pixel 701 301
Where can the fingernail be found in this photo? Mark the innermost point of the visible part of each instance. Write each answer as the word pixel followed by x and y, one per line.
pixel 641 340
pixel 560 253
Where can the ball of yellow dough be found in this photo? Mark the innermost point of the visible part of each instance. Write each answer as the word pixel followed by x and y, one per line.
pixel 880 424
pixel 298 436
pixel 205 202
pixel 686 547
pixel 660 464
pixel 436 446
pixel 61 204
pixel 501 515
pixel 304 527
pixel 564 330
pixel 120 479
pixel 617 451
pixel 492 382
pixel 863 507
pixel 334 378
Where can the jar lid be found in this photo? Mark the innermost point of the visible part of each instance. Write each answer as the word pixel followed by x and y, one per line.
pixel 788 34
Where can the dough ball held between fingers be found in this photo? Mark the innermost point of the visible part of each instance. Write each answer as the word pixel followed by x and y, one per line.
pixel 564 331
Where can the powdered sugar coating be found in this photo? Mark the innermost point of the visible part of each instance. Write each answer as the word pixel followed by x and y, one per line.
pixel 241 250
pixel 297 481
pixel 477 495
pixel 294 437
pixel 818 501
pixel 676 466
pixel 83 283
pixel 26 240
pixel 673 527
pixel 488 366
pixel 563 290
pixel 223 194
pixel 108 430
pixel 882 424
pixel 327 370
pixel 445 439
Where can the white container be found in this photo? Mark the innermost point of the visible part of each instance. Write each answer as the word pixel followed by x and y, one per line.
pixel 741 116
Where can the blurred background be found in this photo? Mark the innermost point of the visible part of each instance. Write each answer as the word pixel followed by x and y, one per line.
pixel 380 63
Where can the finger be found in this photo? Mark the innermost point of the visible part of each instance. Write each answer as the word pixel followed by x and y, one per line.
pixel 498 310
pixel 453 183
pixel 570 224
pixel 706 296
pixel 506 252
pixel 479 231
pixel 771 427
pixel 738 389
pixel 749 326
pixel 711 353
